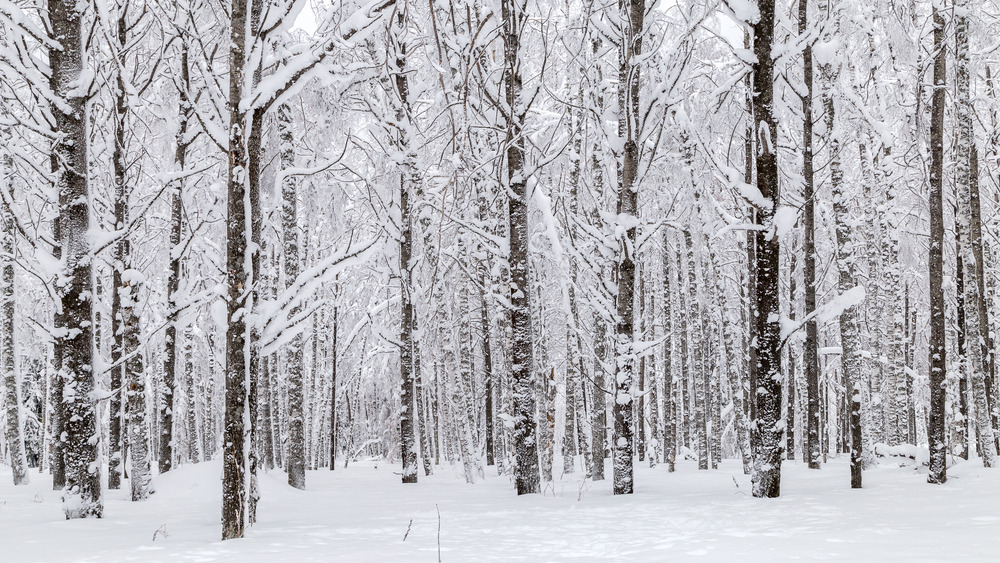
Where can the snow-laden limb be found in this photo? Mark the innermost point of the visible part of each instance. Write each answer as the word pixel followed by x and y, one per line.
pixel 288 79
pixel 824 313
pixel 272 316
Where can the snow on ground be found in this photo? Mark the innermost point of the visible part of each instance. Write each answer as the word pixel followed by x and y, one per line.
pixel 363 514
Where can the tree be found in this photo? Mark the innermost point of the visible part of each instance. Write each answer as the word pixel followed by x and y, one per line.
pixel 631 15
pixel 527 480
pixel 852 354
pixel 294 360
pixel 767 431
pixel 969 225
pixel 937 471
pixel 401 142
pixel 810 355
pixel 239 280
pixel 14 432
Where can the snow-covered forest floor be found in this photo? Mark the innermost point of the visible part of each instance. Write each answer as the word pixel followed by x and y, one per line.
pixel 363 513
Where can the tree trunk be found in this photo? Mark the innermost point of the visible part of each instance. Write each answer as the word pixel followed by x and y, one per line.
pixel 699 355
pixel 237 444
pixel 334 361
pixel 82 495
pixel 669 405
pixel 631 15
pixel 936 437
pixel 525 428
pixel 768 421
pixel 294 360
pixel 969 225
pixel 407 179
pixel 810 357
pixel 8 359
pixel 852 348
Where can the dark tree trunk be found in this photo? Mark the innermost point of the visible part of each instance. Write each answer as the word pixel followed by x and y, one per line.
pixel 851 358
pixel 407 179
pixel 767 431
pixel 334 359
pixel 810 357
pixel 936 432
pixel 484 324
pixel 522 374
pixel 669 405
pixel 237 421
pixel 82 494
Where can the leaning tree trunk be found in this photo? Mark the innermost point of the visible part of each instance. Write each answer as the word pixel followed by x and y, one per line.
pixel 82 496
pixel 767 424
pixel 936 435
pixel 527 478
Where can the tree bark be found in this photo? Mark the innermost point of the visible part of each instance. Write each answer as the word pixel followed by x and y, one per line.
pixel 810 356
pixel 767 431
pixel 172 352
pixel 969 224
pixel 936 437
pixel 8 359
pixel 631 13
pixel 82 495
pixel 527 478
pixel 294 360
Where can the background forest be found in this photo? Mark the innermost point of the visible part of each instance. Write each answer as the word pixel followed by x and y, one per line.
pixel 526 237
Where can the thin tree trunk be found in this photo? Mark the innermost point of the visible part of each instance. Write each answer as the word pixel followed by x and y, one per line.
pixel 810 357
pixel 936 437
pixel 790 422
pixel 8 360
pixel 851 358
pixel 669 405
pixel 295 462
pixel 700 345
pixel 334 363
pixel 969 223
